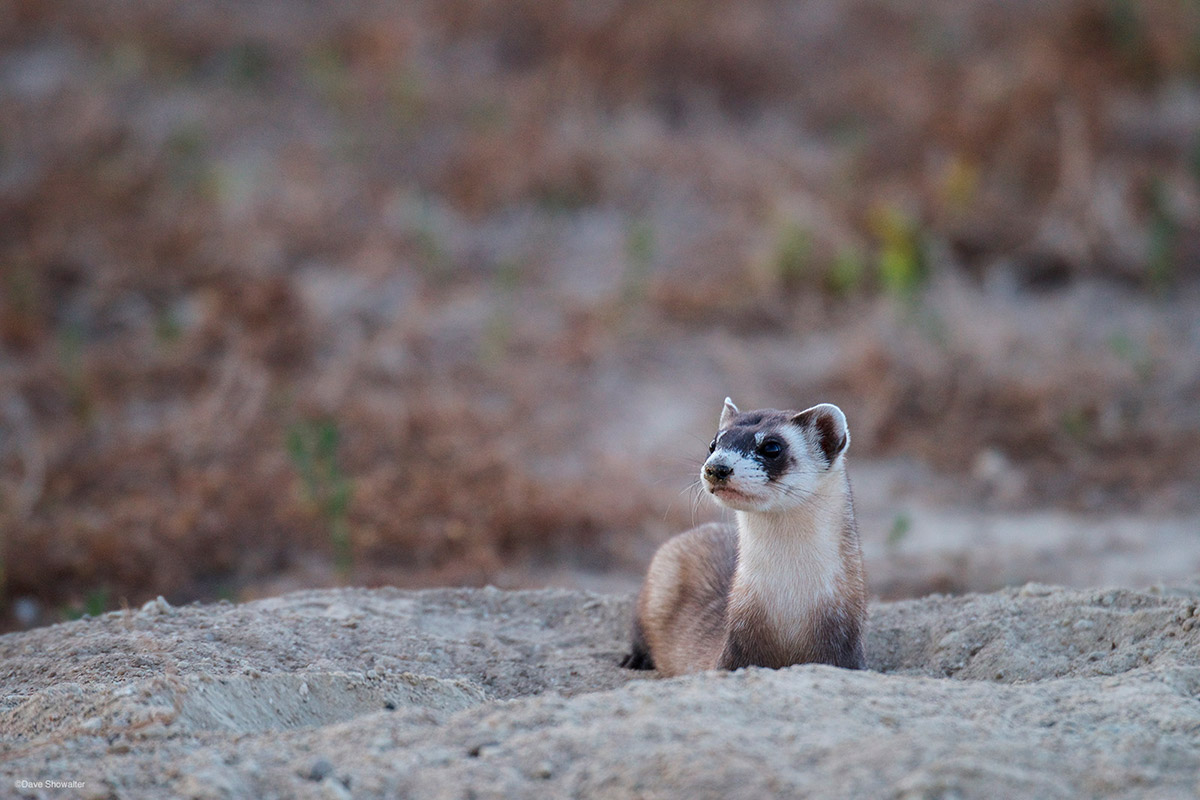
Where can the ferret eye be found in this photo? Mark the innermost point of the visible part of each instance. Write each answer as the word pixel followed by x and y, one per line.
pixel 770 448
pixel 712 446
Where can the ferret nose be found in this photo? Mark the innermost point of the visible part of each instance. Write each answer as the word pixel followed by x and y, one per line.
pixel 718 471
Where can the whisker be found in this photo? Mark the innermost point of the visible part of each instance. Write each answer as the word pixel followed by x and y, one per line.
pixel 687 488
pixel 697 498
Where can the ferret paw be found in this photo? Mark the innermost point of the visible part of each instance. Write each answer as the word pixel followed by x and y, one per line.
pixel 638 659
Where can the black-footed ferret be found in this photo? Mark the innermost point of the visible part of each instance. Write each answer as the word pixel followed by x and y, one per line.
pixel 785 585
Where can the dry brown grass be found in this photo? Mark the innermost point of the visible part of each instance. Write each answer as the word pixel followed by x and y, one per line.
pixel 453 232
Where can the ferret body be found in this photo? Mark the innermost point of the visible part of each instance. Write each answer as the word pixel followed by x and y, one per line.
pixel 783 586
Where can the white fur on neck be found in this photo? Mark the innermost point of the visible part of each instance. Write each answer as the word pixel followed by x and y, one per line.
pixel 789 561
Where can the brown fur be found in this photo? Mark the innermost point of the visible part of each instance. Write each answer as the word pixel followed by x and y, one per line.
pixel 693 615
pixel 681 608
pixel 834 633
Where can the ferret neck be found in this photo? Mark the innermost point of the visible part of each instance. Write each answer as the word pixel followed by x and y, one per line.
pixel 785 557
pixel 823 513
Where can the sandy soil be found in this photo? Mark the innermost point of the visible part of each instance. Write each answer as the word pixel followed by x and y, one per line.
pixel 1037 691
pixel 444 293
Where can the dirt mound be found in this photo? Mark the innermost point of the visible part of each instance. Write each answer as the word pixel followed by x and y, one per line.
pixel 1035 691
pixel 298 295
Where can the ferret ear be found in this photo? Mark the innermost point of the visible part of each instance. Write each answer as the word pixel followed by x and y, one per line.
pixel 828 426
pixel 728 413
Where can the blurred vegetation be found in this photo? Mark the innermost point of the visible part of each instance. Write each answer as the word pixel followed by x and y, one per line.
pixel 94 604
pixel 471 245
pixel 901 526
pixel 901 259
pixel 313 449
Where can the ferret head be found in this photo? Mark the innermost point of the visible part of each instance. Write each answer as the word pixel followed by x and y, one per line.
pixel 773 460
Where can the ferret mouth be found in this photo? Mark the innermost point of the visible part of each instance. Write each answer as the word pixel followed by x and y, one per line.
pixel 728 492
